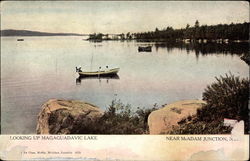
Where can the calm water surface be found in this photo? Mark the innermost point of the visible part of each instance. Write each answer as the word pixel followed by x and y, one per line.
pixel 40 68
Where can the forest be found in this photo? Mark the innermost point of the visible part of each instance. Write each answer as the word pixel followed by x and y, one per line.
pixel 228 32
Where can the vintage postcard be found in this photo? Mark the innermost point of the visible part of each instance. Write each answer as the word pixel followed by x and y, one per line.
pixel 124 80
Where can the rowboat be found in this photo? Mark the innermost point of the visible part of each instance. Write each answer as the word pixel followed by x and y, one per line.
pixel 147 48
pixel 110 72
pixel 20 39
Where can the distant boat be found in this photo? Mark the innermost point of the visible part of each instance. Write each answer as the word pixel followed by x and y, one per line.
pixel 20 39
pixel 146 49
pixel 103 73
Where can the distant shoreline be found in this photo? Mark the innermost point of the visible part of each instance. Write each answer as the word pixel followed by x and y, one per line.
pixel 36 35
pixel 11 32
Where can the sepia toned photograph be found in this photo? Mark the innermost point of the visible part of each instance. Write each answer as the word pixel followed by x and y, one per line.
pixel 124 67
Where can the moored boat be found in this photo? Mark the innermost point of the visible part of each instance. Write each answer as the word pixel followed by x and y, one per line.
pixel 110 72
pixel 20 39
pixel 147 48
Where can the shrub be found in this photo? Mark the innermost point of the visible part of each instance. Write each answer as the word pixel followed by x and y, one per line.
pixel 119 119
pixel 226 98
pixel 201 127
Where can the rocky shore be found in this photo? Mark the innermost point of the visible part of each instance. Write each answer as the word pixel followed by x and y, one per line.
pixel 66 116
pixel 71 116
pixel 163 120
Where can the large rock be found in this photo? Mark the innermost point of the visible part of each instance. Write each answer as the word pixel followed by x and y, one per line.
pixel 66 117
pixel 161 121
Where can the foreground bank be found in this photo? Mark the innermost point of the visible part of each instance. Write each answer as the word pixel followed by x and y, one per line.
pixel 226 99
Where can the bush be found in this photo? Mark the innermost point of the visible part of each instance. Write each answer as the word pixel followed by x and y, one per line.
pixel 226 98
pixel 119 119
pixel 201 127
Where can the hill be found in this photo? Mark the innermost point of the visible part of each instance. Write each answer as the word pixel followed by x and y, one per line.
pixel 11 32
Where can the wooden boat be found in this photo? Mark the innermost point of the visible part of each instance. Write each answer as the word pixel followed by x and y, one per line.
pixel 110 72
pixel 20 39
pixel 146 49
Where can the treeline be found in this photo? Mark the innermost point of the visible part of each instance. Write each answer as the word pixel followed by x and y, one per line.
pixel 197 32
pixel 101 36
pixel 95 36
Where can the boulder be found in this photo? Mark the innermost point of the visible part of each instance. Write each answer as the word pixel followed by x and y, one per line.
pixel 66 117
pixel 161 121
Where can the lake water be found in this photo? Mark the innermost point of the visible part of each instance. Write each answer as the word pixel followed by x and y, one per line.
pixel 40 68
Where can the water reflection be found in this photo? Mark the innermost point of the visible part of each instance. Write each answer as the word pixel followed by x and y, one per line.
pixel 100 78
pixel 206 48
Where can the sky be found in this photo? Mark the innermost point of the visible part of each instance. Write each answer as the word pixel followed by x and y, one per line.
pixel 86 17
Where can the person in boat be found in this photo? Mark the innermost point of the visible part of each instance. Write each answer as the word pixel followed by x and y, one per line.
pixel 79 69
